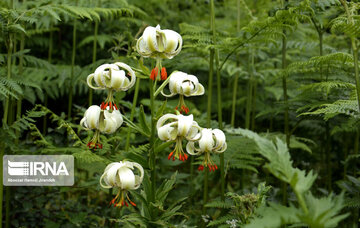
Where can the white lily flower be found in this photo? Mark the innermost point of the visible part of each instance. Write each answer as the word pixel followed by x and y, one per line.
pixel 112 76
pixel 121 175
pixel 211 141
pixel 185 85
pixel 104 121
pixel 157 43
pixel 172 127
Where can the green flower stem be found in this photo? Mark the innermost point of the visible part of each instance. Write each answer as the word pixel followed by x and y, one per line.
pixel 286 111
pixel 162 86
pixel 209 101
pixel 96 28
pixel 219 103
pixel 72 69
pixel 50 51
pixel 136 93
pixel 152 144
pixel 249 92
pixel 236 79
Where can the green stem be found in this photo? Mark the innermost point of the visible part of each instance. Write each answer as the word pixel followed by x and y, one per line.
pixel 206 187
pixel 96 28
pixel 236 79
pixel 152 142
pixel 162 86
pixel 209 101
pixel 46 96
pixel 286 111
pixel 72 70
pixel 222 165
pixel 301 202
pixel 249 92
pixel 136 93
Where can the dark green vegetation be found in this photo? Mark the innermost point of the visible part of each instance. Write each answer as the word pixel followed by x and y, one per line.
pixel 288 70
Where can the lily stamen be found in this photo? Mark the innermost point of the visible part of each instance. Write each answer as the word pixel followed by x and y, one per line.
pixel 154 73
pixel 163 74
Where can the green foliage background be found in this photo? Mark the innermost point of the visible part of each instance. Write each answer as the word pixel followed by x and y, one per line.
pixel 286 69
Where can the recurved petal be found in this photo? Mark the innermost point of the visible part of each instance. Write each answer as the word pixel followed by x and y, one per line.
pixel 167 132
pixel 101 74
pixel 138 179
pixel 219 137
pixel 199 90
pixel 173 42
pixel 190 148
pixel 194 133
pixel 206 142
pixel 184 124
pixel 111 174
pixel 142 47
pixel 164 118
pixel 92 116
pixel 127 84
pixel 149 37
pixel 117 79
pixel 126 178
pixel 109 126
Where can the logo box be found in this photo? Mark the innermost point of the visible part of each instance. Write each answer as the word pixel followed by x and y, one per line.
pixel 38 170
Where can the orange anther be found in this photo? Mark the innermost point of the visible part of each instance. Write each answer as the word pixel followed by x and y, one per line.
pixel 163 74
pixel 170 155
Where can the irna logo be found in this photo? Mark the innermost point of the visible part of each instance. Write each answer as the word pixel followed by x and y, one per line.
pixel 36 168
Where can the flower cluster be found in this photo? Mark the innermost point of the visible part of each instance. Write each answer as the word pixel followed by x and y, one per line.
pixel 106 118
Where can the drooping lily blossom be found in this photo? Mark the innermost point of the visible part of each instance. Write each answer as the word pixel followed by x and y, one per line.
pixel 102 121
pixel 121 175
pixel 211 141
pixel 185 85
pixel 157 43
pixel 112 76
pixel 172 127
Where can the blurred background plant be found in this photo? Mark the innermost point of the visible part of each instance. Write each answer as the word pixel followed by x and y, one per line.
pixel 283 67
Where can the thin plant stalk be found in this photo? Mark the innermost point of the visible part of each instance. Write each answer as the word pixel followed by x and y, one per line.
pixel 136 93
pixel 46 96
pixel 73 55
pixel 96 28
pixel 252 102
pixel 209 101
pixel 152 143
pixel 286 111
pixel 249 93
pixel 236 79
pixel 222 165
